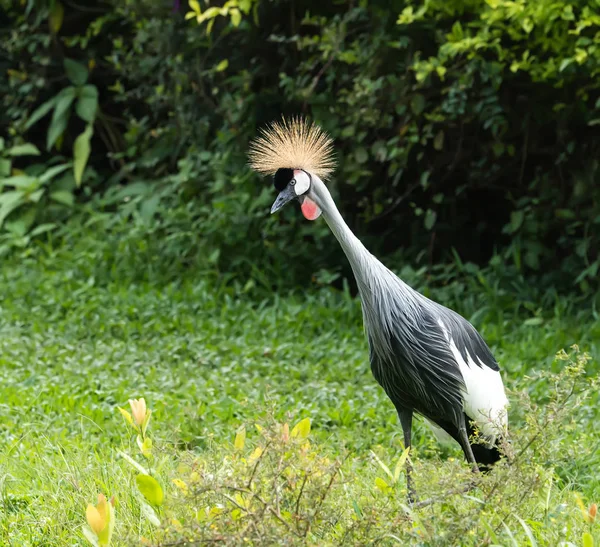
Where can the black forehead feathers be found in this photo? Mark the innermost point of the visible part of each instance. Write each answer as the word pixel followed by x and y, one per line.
pixel 282 177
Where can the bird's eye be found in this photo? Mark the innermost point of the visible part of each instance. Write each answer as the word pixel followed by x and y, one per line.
pixel 301 182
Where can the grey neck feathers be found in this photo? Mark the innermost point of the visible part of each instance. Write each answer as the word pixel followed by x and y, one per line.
pixel 356 252
pixel 367 269
pixel 385 298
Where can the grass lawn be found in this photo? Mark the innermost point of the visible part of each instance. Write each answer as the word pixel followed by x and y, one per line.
pixel 74 348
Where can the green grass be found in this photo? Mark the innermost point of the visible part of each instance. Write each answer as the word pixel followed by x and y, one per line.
pixel 207 360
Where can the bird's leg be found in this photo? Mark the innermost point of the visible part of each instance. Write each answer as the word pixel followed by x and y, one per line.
pixel 466 445
pixel 406 423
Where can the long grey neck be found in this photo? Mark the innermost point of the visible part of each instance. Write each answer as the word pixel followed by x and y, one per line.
pixel 361 260
pixel 378 286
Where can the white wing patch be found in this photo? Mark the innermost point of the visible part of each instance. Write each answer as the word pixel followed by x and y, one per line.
pixel 485 401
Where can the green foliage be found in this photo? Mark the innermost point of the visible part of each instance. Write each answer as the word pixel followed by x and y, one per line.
pixel 549 54
pixel 232 9
pixel 28 196
pixel 83 331
pixel 61 105
pixel 466 126
pixel 283 489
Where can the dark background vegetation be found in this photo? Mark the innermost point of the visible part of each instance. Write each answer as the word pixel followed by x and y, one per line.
pixel 466 132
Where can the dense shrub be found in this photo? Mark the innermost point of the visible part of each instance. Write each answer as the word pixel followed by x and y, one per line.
pixel 278 486
pixel 459 125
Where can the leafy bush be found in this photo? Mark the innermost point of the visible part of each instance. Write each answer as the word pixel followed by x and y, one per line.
pixel 466 126
pixel 280 488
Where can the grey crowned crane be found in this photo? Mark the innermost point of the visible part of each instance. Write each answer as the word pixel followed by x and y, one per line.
pixel 428 359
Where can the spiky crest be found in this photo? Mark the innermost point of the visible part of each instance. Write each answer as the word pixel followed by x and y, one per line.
pixel 292 143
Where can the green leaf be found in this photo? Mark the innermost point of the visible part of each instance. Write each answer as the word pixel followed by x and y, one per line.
pixel 22 222
pixel 510 534
pixel 528 531
pixel 245 6
pixel 209 26
pixel 55 19
pixel 381 484
pixel 149 207
pixel 5 166
pixel 42 228
pixel 240 438
pixel 9 201
pixel 417 104
pixel 146 447
pixel 90 536
pixel 87 105
pixel 132 462
pixel 587 540
pixel 222 65
pixel 564 64
pixel 76 72
pixel 60 117
pixel 533 321
pixel 26 149
pixel 41 111
pixel 105 535
pixel 63 196
pixel 34 197
pixel 150 514
pixel 51 172
pixel 438 141
pixel 81 153
pixel 516 220
pixel 361 155
pixel 150 489
pixel 126 415
pixel 400 463
pixel 236 17
pixel 301 429
pixel 23 182
pixel 195 5
pixel 567 13
pixel 567 214
pixel 383 466
pixel 430 218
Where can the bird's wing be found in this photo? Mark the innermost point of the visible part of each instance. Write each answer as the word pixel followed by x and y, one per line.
pixel 417 368
pixel 484 399
pixel 466 338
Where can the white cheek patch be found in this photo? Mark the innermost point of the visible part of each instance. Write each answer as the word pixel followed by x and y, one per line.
pixel 302 182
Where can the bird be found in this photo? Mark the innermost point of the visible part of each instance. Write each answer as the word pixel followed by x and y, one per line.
pixel 429 360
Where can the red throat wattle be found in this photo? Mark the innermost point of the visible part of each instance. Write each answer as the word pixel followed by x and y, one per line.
pixel 310 209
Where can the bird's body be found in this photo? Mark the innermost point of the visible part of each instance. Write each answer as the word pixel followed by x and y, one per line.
pixel 428 359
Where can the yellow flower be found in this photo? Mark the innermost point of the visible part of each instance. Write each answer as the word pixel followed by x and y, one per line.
pixel 138 410
pixel 96 520
pixel 100 519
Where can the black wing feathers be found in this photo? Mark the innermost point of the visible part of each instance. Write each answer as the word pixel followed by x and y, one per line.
pixel 422 372
pixel 467 339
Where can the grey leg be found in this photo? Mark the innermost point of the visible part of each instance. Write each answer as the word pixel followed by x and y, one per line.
pixel 466 445
pixel 406 423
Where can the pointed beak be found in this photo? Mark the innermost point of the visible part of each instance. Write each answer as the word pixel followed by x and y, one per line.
pixel 286 195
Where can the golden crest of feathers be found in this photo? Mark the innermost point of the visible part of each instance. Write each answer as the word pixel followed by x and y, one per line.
pixel 295 144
